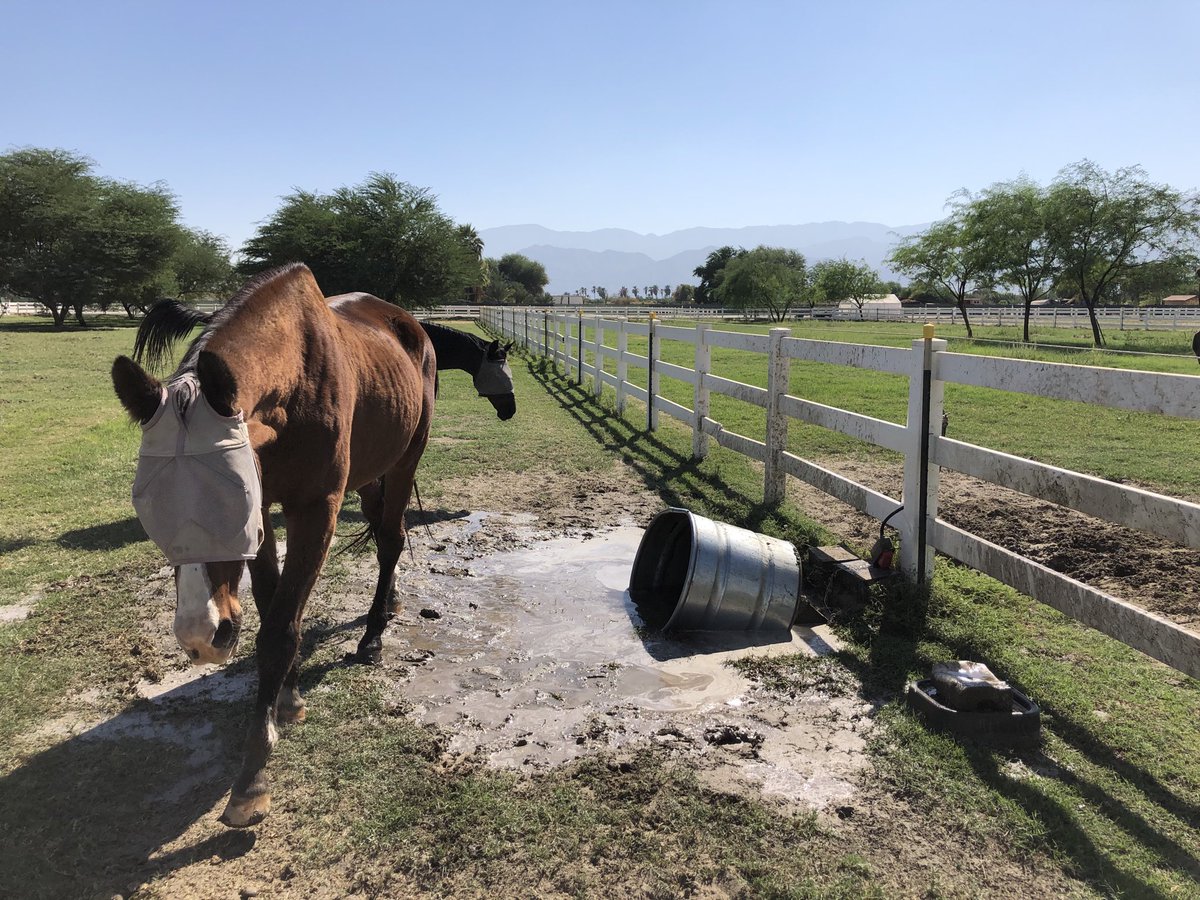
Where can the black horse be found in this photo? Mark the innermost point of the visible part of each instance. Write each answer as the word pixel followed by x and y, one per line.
pixel 168 321
pixel 487 363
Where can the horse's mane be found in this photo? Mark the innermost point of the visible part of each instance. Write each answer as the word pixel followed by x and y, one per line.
pixel 434 330
pixel 169 321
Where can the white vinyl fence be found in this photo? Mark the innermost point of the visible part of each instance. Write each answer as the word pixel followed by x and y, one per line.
pixel 1120 318
pixel 563 337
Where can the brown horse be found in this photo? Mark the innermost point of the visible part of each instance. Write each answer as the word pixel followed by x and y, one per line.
pixel 335 397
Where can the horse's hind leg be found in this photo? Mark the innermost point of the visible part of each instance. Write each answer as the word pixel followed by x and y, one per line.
pixel 390 536
pixel 372 496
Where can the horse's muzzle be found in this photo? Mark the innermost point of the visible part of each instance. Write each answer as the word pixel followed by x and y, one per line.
pixel 505 404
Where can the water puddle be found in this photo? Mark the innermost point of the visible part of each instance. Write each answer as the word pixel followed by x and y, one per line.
pixel 533 657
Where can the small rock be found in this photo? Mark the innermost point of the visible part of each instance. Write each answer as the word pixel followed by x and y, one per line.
pixel 247 893
pixel 430 614
pixel 844 812
pixel 726 735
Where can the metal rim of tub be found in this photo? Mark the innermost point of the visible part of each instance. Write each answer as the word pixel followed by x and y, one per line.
pixel 694 573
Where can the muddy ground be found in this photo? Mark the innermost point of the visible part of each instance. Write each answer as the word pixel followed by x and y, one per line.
pixel 1132 565
pixel 480 653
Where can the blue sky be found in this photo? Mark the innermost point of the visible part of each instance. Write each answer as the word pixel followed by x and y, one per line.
pixel 651 116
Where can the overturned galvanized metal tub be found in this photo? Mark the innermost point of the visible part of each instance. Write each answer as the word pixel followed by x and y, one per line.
pixel 694 574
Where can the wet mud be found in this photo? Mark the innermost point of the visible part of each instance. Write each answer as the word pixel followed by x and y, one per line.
pixel 529 658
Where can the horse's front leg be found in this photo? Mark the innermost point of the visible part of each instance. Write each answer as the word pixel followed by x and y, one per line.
pixel 310 530
pixel 264 582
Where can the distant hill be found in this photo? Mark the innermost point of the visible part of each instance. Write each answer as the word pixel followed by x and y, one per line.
pixel 615 257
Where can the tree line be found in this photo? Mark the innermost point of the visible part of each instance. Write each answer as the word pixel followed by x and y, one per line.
pixel 779 280
pixel 1094 236
pixel 70 239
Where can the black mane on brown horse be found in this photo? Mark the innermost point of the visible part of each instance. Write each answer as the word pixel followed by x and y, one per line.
pixel 328 397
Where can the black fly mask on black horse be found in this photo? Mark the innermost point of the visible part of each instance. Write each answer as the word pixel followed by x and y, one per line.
pixel 486 362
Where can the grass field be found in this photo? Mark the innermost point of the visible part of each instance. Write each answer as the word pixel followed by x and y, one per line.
pixel 1156 451
pixel 1108 807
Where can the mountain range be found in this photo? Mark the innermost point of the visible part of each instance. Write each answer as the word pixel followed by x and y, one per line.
pixel 616 257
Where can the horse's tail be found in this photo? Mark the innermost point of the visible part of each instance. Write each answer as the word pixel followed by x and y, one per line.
pixel 166 322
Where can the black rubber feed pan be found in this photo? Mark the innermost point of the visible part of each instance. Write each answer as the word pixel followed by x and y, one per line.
pixel 1020 728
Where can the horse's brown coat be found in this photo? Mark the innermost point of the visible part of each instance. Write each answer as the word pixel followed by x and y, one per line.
pixel 337 397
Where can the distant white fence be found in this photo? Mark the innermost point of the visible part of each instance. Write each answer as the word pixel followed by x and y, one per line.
pixel 582 344
pixel 1121 318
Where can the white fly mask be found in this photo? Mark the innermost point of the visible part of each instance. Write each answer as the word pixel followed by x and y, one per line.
pixel 197 490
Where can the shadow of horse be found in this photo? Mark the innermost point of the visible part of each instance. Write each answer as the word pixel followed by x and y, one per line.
pixel 87 816
pixel 108 536
pixel 90 815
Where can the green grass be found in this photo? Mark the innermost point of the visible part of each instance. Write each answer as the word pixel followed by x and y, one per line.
pixel 1114 808
pixel 1153 450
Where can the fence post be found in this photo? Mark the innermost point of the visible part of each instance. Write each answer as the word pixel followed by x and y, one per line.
pixel 1122 326
pixel 622 365
pixel 560 342
pixel 700 392
pixel 779 369
pixel 921 475
pixel 579 349
pixel 651 376
pixel 598 357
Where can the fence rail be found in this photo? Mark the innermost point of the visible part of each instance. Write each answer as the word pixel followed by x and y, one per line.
pixel 588 346
pixel 1123 318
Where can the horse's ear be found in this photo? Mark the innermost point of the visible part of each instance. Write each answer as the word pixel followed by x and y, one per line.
pixel 217 383
pixel 139 393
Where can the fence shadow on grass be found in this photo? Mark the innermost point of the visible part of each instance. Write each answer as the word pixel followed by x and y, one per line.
pixel 677 478
pixel 896 636
pixel 897 648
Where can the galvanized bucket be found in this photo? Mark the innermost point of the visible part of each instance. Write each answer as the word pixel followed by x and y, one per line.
pixel 694 574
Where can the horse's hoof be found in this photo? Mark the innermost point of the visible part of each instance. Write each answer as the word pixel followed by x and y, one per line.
pixel 290 715
pixel 245 812
pixel 371 656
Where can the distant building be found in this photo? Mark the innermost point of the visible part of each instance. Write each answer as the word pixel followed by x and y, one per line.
pixel 569 299
pixel 1181 300
pixel 881 302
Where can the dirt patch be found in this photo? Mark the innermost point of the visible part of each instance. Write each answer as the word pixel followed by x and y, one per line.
pixel 531 658
pixel 16 612
pixel 1140 568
